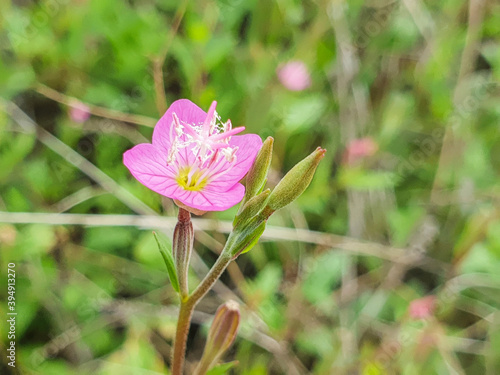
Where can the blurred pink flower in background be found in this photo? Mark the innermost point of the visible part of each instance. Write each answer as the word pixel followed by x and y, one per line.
pixel 294 75
pixel 422 308
pixel 194 158
pixel 79 112
pixel 359 149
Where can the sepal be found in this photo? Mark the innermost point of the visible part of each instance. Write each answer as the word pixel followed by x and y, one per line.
pixel 251 208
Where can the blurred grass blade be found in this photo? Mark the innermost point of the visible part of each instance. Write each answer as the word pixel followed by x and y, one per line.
pixel 169 262
pixel 222 369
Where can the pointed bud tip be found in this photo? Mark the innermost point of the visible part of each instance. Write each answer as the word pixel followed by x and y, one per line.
pixel 321 151
pixel 233 305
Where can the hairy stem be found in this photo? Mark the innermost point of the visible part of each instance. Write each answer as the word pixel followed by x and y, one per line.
pixel 181 334
pixel 211 277
pixel 187 307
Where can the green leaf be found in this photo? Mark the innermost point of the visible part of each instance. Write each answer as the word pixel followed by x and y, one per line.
pixel 305 112
pixel 266 284
pixel 222 368
pixel 169 262
pixel 323 275
pixel 480 260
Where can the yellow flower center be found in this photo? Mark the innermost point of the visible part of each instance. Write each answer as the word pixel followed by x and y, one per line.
pixel 189 180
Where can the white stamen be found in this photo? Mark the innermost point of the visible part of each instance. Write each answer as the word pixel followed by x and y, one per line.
pixel 230 153
pixel 205 147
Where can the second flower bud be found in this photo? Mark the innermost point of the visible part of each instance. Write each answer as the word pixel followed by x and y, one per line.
pixel 182 246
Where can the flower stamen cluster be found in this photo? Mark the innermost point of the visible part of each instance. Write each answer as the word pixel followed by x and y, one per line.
pixel 209 143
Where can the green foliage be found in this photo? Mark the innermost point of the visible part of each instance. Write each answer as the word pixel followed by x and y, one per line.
pixel 323 276
pixel 222 369
pixel 262 292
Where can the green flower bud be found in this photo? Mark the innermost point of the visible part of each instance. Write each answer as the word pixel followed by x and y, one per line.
pixel 257 176
pixel 251 208
pixel 182 246
pixel 295 182
pixel 220 336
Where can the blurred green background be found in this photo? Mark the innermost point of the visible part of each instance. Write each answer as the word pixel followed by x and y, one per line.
pixel 403 94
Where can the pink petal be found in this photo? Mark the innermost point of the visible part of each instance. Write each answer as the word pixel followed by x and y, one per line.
pixel 294 75
pixel 149 166
pixel 359 149
pixel 249 145
pixel 212 198
pixel 79 112
pixel 422 308
pixel 186 111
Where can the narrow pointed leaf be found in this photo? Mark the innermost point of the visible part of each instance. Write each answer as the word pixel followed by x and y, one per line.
pixel 169 262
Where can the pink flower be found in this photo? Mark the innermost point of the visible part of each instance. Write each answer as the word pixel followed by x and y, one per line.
pixel 195 158
pixel 359 149
pixel 79 112
pixel 294 75
pixel 422 308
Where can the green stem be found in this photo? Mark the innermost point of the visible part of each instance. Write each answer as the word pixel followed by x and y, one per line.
pixel 211 277
pixel 202 368
pixel 181 334
pixel 187 308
